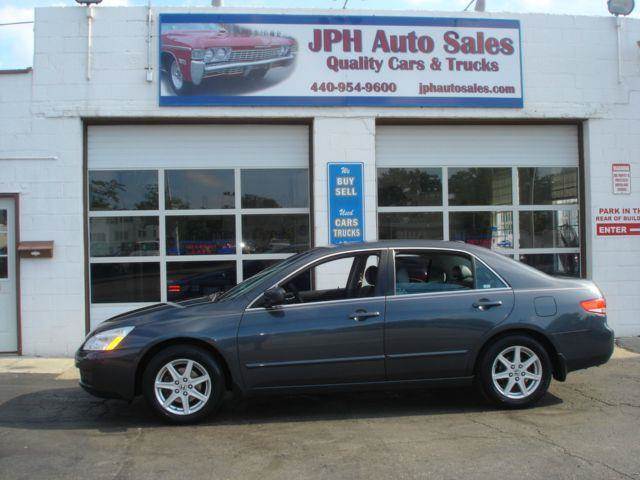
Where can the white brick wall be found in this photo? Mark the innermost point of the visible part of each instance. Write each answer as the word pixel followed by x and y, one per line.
pixel 570 71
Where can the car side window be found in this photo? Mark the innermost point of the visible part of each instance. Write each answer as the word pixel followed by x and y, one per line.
pixel 432 271
pixel 485 278
pixel 351 276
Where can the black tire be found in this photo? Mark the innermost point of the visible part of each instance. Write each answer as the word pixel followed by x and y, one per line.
pixel 202 359
pixel 485 372
pixel 179 89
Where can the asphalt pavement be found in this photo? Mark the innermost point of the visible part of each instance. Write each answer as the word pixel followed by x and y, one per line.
pixel 587 428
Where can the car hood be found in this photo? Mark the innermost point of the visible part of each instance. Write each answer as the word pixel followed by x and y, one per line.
pixel 160 312
pixel 203 39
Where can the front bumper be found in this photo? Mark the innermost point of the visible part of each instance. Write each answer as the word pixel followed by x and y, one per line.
pixel 585 348
pixel 108 374
pixel 200 70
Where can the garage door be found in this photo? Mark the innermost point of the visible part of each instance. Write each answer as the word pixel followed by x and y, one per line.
pixel 182 211
pixel 511 188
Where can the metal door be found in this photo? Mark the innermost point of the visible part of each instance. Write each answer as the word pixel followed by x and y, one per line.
pixel 8 277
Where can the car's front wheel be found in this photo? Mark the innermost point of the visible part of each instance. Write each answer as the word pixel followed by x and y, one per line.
pixel 178 83
pixel 183 384
pixel 515 371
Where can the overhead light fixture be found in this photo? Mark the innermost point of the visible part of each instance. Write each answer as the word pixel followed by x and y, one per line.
pixel 620 7
pixel 88 2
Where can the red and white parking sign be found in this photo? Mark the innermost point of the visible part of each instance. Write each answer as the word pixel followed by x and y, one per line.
pixel 621 177
pixel 618 221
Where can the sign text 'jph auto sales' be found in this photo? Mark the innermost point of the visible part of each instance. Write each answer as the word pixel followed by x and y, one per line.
pixel 238 59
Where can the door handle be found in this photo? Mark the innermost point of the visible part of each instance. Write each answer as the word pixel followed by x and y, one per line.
pixel 485 304
pixel 360 315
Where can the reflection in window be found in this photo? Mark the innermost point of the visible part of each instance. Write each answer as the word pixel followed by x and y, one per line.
pixel 275 233
pixel 563 264
pixel 549 229
pixel 201 235
pixel 196 279
pixel 253 267
pixel 410 226
pixel 199 189
pixel 548 185
pixel 480 186
pixel 409 187
pixel 123 236
pixel 125 282
pixel 275 188
pixel 487 229
pixel 123 190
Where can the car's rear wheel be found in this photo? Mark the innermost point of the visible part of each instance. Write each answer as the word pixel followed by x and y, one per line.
pixel 178 83
pixel 183 384
pixel 515 371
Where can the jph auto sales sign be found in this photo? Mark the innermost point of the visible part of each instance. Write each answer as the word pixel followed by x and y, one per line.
pixel 251 59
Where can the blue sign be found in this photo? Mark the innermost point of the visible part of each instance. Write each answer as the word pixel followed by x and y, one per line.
pixel 346 203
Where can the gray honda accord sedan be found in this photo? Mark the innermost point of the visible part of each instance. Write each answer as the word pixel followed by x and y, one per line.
pixel 385 314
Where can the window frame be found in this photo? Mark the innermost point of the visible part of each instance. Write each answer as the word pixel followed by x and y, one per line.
pixel 381 288
pixel 162 213
pixel 515 208
pixel 474 259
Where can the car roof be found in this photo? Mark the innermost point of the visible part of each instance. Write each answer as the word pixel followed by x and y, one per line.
pixel 515 273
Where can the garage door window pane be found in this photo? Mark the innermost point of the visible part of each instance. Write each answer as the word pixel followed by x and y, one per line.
pixel 275 188
pixel 252 267
pixel 199 189
pixel 409 226
pixel 275 233
pixel 480 186
pixel 549 229
pixel 125 282
pixel 201 235
pixel 487 229
pixel 196 279
pixel 124 236
pixel 561 264
pixel 123 190
pixel 4 267
pixel 400 187
pixel 548 185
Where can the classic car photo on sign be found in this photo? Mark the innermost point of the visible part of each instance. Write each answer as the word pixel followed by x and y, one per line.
pixel 216 58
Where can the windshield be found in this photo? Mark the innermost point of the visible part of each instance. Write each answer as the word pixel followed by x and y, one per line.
pixel 248 284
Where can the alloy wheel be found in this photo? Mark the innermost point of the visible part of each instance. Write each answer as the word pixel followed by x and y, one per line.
pixel 176 76
pixel 516 372
pixel 182 386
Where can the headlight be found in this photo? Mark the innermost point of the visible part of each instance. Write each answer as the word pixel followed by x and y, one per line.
pixel 220 54
pixel 283 51
pixel 208 55
pixel 107 340
pixel 197 54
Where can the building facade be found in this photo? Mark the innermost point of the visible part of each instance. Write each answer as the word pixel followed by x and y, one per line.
pixel 150 196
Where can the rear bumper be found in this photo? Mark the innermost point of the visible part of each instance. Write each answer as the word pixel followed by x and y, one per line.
pixel 584 348
pixel 107 374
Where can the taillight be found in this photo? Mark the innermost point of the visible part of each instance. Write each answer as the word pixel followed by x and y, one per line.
pixel 174 288
pixel 597 305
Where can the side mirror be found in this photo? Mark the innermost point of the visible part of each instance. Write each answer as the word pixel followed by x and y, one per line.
pixel 274 296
